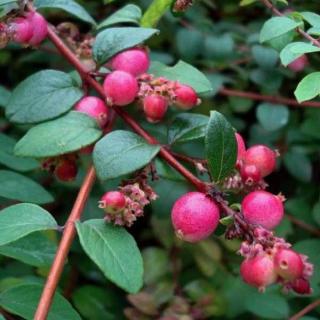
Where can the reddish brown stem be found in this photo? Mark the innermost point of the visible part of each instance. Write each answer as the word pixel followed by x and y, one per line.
pixel 304 226
pixel 306 310
pixel 272 99
pixel 64 246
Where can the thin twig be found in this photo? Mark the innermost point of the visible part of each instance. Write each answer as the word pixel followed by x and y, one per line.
pixel 304 225
pixel 272 99
pixel 306 310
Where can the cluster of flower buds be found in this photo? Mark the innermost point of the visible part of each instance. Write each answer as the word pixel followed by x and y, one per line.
pixel 269 259
pixel 63 167
pixel 129 81
pixel 124 206
pixel 30 29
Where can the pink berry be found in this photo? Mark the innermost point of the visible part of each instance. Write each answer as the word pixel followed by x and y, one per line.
pixel 299 64
pixel 250 174
pixel 39 28
pixel 263 208
pixel 262 157
pixel 113 202
pixel 258 271
pixel 134 61
pixel 95 108
pixel 120 88
pixel 241 147
pixel 155 107
pixel 288 264
pixel 301 286
pixel 194 216
pixel 186 97
pixel 21 29
pixel 66 170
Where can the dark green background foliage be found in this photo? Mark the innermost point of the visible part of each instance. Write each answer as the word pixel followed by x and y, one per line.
pixel 221 39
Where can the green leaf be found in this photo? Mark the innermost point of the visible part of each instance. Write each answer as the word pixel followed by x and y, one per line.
pixel 154 12
pixel 113 40
pixel 127 14
pixel 187 127
pixel 221 146
pixel 121 152
pixel 22 219
pixel 309 87
pixel 4 96
pixel 69 133
pixel 266 58
pixel 276 27
pixel 316 212
pixel 268 306
pixel 7 158
pixel 69 6
pixel 15 186
pixel 299 165
pixel 115 252
pixel 35 249
pixel 247 2
pixel 272 116
pixel 45 95
pixel 311 17
pixel 95 303
pixel 295 50
pixel 23 300
pixel 184 73
pixel 5 2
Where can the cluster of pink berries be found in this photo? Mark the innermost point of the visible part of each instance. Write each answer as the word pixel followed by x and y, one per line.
pixel 64 167
pixel 123 207
pixel 129 81
pixel 30 29
pixel 269 259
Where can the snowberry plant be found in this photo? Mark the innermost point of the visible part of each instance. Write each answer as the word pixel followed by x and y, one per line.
pixel 115 149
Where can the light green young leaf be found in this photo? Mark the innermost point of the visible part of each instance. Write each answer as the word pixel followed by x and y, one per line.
pixel 308 88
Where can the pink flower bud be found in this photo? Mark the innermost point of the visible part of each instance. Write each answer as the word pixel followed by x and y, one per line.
pixel 113 202
pixel 155 107
pixel 21 30
pixel 39 28
pixel 186 97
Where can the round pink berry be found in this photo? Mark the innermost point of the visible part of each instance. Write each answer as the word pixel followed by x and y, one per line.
pixel 39 28
pixel 135 61
pixel 113 202
pixel 186 97
pixel 95 108
pixel 21 29
pixel 263 208
pixel 120 87
pixel 299 64
pixel 262 157
pixel 155 107
pixel 258 271
pixel 288 264
pixel 194 216
pixel 250 174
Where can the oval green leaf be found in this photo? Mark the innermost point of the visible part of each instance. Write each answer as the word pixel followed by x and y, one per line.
pixel 295 50
pixel 187 127
pixel 23 300
pixel 69 6
pixel 122 152
pixel 308 88
pixel 7 158
pixel 114 251
pixel 22 219
pixel 272 116
pixel 15 186
pixel 43 96
pixel 113 40
pixel 276 27
pixel 69 133
pixel 36 249
pixel 221 146
pixel 127 14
